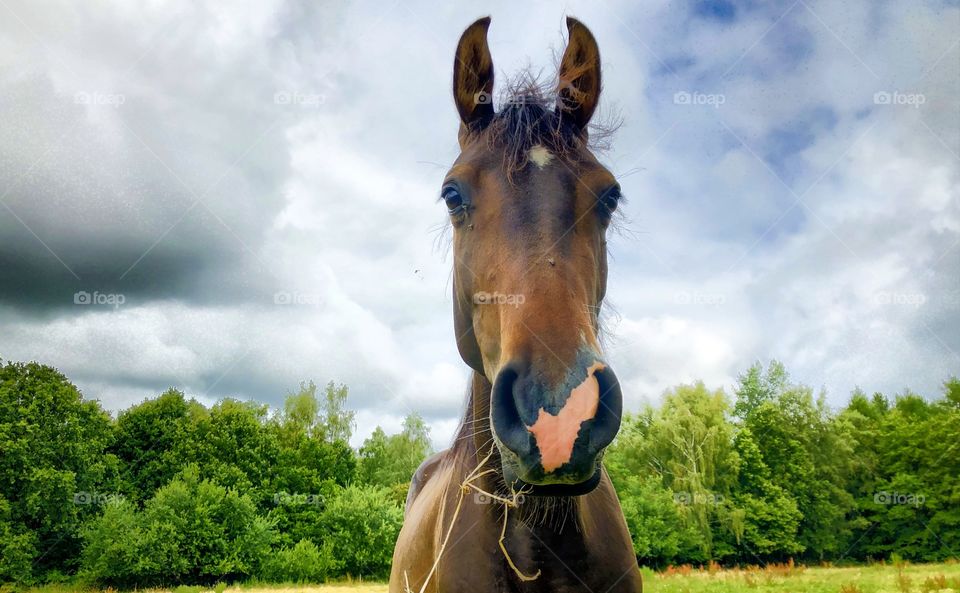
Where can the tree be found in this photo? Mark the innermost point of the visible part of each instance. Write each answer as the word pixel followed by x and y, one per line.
pixel 657 527
pixel 690 446
pixel 687 447
pixel 806 451
pixel 336 421
pixel 770 517
pixel 155 440
pixel 756 387
pixel 301 411
pixel 391 460
pixel 235 448
pixel 54 470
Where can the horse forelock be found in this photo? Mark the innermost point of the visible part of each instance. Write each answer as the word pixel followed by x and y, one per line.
pixel 528 118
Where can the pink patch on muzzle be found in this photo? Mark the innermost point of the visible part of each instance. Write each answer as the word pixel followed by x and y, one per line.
pixel 555 435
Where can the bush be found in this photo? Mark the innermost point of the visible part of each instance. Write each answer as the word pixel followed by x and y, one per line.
pixel 113 545
pixel 303 563
pixel 361 525
pixel 192 531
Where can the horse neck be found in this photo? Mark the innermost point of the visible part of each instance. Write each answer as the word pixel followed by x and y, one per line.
pixel 473 440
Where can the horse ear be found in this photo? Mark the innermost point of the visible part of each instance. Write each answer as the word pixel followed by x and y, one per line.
pixel 473 75
pixel 578 91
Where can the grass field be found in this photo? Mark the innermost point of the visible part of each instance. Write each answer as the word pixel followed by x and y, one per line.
pixel 908 578
pixel 921 578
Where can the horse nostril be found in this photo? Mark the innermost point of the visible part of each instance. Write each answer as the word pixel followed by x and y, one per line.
pixel 606 424
pixel 504 414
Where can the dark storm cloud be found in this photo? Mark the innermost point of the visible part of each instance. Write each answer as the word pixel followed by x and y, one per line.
pixel 154 184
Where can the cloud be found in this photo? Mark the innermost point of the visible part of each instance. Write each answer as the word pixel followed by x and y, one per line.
pixel 259 186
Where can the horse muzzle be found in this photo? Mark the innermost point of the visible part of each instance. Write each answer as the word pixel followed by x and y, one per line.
pixel 551 440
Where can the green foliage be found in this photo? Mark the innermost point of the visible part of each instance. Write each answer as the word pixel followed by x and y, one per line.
pixel 191 531
pixel 173 493
pixel 361 524
pixel 153 442
pixel 324 417
pixel 657 526
pixel 234 448
pixel 785 477
pixel 338 423
pixel 391 460
pixel 303 563
pixel 53 469
pixel 687 448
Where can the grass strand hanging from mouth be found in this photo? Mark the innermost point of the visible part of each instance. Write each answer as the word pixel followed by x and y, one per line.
pixel 465 486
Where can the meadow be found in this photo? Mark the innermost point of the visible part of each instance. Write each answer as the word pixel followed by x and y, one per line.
pixel 773 578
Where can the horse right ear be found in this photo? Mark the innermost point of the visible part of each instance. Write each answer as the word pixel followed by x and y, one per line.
pixel 473 76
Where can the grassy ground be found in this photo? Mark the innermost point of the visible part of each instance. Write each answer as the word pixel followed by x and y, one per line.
pixel 920 578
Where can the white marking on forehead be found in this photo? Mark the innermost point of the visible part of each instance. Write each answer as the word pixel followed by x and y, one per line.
pixel 540 156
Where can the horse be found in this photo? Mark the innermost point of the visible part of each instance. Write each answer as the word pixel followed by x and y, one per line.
pixel 521 501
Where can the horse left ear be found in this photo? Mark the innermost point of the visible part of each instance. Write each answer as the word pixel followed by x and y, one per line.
pixel 578 92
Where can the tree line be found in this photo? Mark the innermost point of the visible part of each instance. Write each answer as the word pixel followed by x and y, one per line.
pixel 773 474
pixel 174 492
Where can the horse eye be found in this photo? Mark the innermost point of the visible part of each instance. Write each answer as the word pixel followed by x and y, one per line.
pixel 454 199
pixel 610 199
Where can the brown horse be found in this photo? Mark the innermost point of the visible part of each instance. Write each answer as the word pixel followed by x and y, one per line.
pixel 521 501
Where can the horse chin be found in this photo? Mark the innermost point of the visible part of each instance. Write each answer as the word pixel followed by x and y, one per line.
pixel 547 488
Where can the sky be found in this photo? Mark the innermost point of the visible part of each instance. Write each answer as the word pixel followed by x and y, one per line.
pixel 232 198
